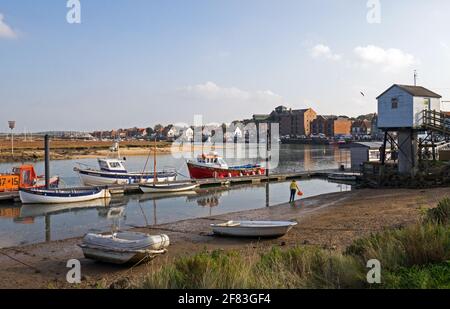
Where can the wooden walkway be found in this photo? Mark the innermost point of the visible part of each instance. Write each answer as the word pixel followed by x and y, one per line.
pixel 210 182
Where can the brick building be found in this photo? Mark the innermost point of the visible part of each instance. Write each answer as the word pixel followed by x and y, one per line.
pixel 293 122
pixel 331 126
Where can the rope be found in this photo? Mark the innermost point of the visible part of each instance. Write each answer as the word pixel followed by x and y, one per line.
pixel 146 162
pixel 19 261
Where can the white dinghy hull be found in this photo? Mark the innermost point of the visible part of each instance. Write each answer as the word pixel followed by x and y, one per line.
pixel 167 187
pixel 124 247
pixel 253 228
pixel 59 196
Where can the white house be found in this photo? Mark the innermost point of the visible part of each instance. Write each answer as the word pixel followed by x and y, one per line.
pixel 401 106
pixel 189 134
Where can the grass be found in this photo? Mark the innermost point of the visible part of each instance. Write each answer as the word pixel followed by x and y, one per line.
pixel 417 256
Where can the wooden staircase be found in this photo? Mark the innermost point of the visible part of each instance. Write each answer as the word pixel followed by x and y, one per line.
pixel 436 121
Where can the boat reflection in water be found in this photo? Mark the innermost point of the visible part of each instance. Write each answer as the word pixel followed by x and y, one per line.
pixel 105 207
pixel 38 210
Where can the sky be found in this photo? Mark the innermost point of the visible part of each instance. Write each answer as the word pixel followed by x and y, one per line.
pixel 143 62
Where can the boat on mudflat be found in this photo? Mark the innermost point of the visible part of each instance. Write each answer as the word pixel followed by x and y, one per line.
pixel 214 166
pixel 113 171
pixel 167 187
pixel 253 228
pixel 124 247
pixel 58 196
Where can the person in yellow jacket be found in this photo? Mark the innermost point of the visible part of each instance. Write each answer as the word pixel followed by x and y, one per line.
pixel 294 189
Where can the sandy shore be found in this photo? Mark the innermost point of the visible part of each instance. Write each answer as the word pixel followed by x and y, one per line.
pixel 331 221
pixel 68 149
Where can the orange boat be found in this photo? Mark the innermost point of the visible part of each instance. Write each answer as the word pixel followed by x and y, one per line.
pixel 24 177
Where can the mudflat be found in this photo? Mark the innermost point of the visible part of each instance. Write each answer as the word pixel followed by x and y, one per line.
pixel 331 221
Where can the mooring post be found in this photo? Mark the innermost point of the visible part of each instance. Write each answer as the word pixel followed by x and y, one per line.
pixel 47 161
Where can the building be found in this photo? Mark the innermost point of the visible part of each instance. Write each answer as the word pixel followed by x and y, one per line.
pixel 362 152
pixel 401 106
pixel 361 128
pixel 341 127
pixel 331 126
pixel 296 123
pixel 319 125
pixel 375 131
pixel 401 109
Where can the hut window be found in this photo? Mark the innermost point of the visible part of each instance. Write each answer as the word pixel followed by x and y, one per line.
pixel 394 103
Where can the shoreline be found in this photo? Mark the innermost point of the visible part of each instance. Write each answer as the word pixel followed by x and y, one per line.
pixel 331 221
pixel 70 150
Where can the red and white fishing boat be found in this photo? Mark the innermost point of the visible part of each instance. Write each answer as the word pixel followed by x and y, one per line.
pixel 213 166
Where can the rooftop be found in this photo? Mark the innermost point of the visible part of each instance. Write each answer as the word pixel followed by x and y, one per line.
pixel 416 91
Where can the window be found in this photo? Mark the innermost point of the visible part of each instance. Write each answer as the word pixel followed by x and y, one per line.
pixel 427 104
pixel 114 164
pixel 394 103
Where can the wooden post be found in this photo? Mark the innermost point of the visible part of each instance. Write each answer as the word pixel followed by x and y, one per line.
pixel 155 175
pixel 383 154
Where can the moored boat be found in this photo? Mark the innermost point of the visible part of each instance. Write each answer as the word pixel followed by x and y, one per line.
pixel 124 247
pixel 113 171
pixel 24 176
pixel 214 166
pixel 343 177
pixel 36 210
pixel 58 196
pixel 167 187
pixel 253 228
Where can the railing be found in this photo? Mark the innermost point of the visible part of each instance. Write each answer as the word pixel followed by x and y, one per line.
pixel 436 121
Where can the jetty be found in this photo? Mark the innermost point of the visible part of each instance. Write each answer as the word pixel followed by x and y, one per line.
pixel 208 182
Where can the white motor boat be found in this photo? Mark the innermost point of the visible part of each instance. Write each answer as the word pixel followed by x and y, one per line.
pixel 253 228
pixel 113 171
pixel 59 196
pixel 167 187
pixel 124 247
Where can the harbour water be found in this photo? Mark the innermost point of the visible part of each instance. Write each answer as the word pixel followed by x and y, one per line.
pixel 27 224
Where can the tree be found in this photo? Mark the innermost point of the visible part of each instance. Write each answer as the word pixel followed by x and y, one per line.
pixel 149 131
pixel 158 128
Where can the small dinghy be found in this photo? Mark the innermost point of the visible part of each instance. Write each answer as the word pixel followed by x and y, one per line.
pixel 167 187
pixel 124 247
pixel 58 196
pixel 343 177
pixel 253 228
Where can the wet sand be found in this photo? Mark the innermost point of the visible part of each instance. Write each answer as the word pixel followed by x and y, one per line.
pixel 331 221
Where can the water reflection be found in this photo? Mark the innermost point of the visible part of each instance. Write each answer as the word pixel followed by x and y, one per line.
pixel 33 224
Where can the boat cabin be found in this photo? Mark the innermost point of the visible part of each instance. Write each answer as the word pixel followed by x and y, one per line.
pixel 112 165
pixel 212 159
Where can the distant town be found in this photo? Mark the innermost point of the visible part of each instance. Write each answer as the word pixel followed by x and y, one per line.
pixel 295 126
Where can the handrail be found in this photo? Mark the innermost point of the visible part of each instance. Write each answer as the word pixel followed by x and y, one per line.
pixel 435 120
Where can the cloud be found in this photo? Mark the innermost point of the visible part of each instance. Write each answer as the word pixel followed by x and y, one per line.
pixel 227 102
pixel 5 30
pixel 211 91
pixel 390 60
pixel 323 51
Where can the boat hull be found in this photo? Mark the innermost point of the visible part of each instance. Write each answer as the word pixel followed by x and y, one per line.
pixel 119 257
pixel 342 177
pixel 253 229
pixel 197 171
pixel 124 247
pixel 167 188
pixel 98 178
pixel 47 197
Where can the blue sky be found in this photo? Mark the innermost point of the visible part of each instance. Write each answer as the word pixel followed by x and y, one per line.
pixel 141 62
